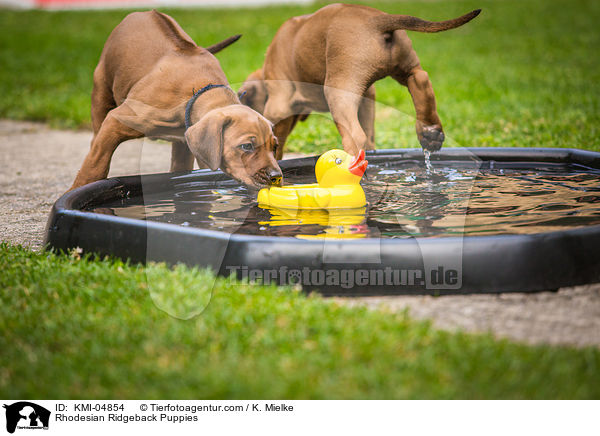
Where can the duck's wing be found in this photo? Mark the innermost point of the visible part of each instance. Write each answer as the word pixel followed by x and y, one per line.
pixel 286 197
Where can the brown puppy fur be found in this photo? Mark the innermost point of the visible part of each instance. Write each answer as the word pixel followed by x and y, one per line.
pixel 254 94
pixel 146 75
pixel 329 61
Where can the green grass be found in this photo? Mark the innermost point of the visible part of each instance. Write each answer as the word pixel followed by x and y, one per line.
pixel 74 328
pixel 524 73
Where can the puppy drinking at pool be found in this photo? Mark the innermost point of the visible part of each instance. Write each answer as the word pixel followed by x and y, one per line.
pixel 153 80
pixel 328 61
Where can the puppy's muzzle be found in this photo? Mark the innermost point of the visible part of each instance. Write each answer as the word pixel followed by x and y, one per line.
pixel 275 177
pixel 269 177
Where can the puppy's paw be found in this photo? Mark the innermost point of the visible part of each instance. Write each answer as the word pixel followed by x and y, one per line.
pixel 431 137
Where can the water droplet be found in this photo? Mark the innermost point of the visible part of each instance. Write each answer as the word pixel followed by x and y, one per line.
pixel 428 165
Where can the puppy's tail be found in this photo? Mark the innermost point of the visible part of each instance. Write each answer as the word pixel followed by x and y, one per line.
pixel 389 23
pixel 215 48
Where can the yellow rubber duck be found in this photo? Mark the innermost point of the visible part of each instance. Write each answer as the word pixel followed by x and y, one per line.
pixel 338 185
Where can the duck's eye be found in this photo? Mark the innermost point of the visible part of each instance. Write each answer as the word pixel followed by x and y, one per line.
pixel 247 147
pixel 338 161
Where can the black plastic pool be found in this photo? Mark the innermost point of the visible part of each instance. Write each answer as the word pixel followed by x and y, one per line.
pixel 481 220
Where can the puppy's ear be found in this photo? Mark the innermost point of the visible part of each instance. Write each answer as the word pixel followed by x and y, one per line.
pixel 247 93
pixel 205 138
pixel 253 93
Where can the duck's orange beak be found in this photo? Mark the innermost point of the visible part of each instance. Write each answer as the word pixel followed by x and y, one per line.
pixel 358 165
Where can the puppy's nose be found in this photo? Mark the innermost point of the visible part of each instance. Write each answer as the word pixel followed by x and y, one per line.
pixel 275 177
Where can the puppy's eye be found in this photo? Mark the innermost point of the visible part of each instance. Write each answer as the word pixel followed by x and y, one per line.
pixel 338 161
pixel 247 147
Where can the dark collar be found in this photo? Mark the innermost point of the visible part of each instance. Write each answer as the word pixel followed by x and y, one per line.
pixel 190 103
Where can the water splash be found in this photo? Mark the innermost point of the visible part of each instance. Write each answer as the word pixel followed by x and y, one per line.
pixel 428 165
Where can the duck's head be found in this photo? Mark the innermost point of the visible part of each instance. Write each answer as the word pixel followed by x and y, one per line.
pixel 336 167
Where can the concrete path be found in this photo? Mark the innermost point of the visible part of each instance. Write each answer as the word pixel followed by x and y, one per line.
pixel 39 164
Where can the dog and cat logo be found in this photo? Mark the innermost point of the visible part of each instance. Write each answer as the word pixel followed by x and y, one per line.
pixel 26 415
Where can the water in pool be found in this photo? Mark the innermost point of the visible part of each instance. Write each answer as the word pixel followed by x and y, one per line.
pixel 405 200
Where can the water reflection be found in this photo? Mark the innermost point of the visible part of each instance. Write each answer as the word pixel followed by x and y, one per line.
pixel 336 224
pixel 405 200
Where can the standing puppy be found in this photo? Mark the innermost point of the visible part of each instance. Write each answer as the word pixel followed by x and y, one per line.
pixel 144 85
pixel 329 61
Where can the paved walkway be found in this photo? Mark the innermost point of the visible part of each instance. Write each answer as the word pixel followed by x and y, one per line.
pixel 39 164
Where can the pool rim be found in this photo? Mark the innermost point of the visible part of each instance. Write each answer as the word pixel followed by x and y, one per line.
pixel 537 264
